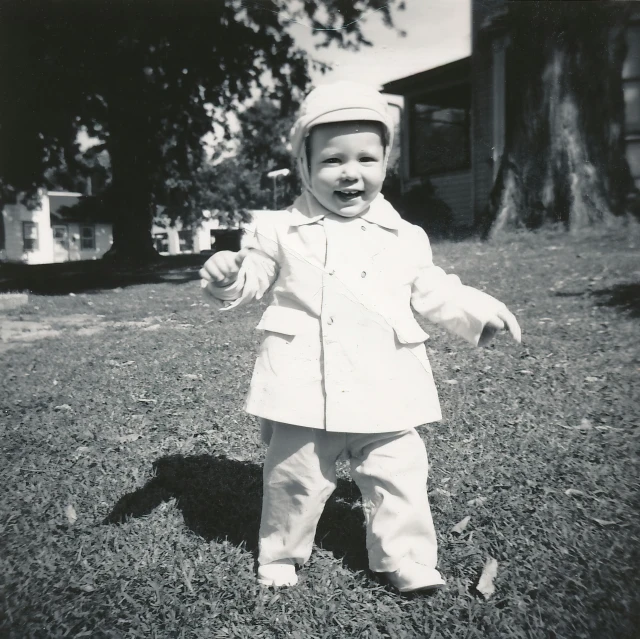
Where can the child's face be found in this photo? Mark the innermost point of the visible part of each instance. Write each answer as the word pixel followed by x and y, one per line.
pixel 346 165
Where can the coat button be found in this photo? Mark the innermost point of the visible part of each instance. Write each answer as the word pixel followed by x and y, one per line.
pixel 330 321
pixel 363 227
pixel 363 274
pixel 332 271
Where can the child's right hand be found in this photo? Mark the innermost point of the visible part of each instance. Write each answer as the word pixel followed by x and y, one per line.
pixel 222 268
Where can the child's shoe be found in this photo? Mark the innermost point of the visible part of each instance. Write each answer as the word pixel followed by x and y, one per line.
pixel 412 576
pixel 278 574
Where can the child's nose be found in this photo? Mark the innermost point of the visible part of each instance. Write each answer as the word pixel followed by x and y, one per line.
pixel 350 171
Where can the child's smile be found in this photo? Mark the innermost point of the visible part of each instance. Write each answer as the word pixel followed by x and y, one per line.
pixel 347 166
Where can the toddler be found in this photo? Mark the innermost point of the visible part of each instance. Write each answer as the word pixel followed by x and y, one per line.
pixel 342 370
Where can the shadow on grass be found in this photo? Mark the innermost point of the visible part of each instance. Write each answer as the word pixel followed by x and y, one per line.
pixel 78 277
pixel 625 297
pixel 221 499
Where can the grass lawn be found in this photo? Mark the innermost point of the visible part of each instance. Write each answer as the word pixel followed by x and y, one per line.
pixel 131 478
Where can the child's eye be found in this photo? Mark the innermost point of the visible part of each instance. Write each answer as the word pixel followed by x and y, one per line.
pixel 331 161
pixel 367 158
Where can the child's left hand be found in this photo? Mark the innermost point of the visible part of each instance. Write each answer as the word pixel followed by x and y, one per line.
pixel 502 320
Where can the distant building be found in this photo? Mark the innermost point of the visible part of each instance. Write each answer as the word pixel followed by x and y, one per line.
pixel 453 121
pixel 52 232
pixel 208 235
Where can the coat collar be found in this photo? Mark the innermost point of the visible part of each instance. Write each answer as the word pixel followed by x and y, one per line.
pixel 307 210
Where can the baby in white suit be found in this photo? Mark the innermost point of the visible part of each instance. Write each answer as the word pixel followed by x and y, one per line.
pixel 342 370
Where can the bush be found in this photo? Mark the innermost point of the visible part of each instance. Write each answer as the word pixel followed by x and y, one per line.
pixel 420 205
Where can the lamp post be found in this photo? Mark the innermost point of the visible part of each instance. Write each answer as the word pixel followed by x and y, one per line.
pixel 274 175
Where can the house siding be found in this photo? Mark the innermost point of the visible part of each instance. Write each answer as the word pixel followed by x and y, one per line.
pixel 13 217
pixel 482 113
pixel 455 190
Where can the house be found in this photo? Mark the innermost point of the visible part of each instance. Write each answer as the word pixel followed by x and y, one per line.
pixel 207 236
pixel 453 120
pixel 52 231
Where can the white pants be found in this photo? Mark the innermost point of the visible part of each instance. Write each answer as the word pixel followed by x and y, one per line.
pixel 390 470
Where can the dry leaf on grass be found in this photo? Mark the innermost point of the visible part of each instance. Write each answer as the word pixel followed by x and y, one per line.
pixel 71 514
pixel 485 586
pixel 131 437
pixel 461 525
pixel 478 501
pixel 573 492
pixel 604 522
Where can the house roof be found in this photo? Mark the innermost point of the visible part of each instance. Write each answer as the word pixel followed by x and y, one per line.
pixel 452 73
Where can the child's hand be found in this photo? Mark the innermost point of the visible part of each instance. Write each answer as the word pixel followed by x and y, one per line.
pixel 222 268
pixel 503 320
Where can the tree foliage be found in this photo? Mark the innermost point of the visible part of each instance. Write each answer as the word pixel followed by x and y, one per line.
pixel 240 182
pixel 148 77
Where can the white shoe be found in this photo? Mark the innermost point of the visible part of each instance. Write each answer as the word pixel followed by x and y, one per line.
pixel 412 576
pixel 278 574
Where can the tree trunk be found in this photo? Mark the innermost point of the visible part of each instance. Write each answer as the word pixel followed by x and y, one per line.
pixel 130 198
pixel 564 158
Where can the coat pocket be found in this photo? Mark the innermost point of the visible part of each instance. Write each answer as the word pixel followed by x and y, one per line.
pixel 408 331
pixel 286 321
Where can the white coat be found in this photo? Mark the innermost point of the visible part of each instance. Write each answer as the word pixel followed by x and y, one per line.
pixel 342 350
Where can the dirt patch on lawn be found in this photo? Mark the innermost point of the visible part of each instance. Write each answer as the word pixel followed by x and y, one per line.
pixel 15 332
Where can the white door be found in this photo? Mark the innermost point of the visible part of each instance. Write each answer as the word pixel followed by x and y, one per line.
pixel 60 243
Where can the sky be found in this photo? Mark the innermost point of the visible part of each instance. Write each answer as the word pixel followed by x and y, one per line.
pixel 438 31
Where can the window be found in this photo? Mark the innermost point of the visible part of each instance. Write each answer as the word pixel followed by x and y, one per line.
pixel 161 242
pixel 632 106
pixel 30 236
pixel 186 241
pixel 87 238
pixel 61 236
pixel 631 88
pixel 439 125
pixel 631 68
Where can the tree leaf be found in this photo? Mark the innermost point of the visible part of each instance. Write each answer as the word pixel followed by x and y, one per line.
pixel 485 586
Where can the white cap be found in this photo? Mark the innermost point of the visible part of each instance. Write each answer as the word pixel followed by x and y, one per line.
pixel 338 102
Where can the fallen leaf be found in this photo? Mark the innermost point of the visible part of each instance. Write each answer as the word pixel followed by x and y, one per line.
pixel 461 525
pixel 131 437
pixel 86 588
pixel 573 492
pixel 592 379
pixel 584 424
pixel 450 381
pixel 71 514
pixel 478 501
pixel 604 522
pixel 485 585
pixel 63 407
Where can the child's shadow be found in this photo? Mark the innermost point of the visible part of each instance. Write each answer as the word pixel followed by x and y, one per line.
pixel 221 499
